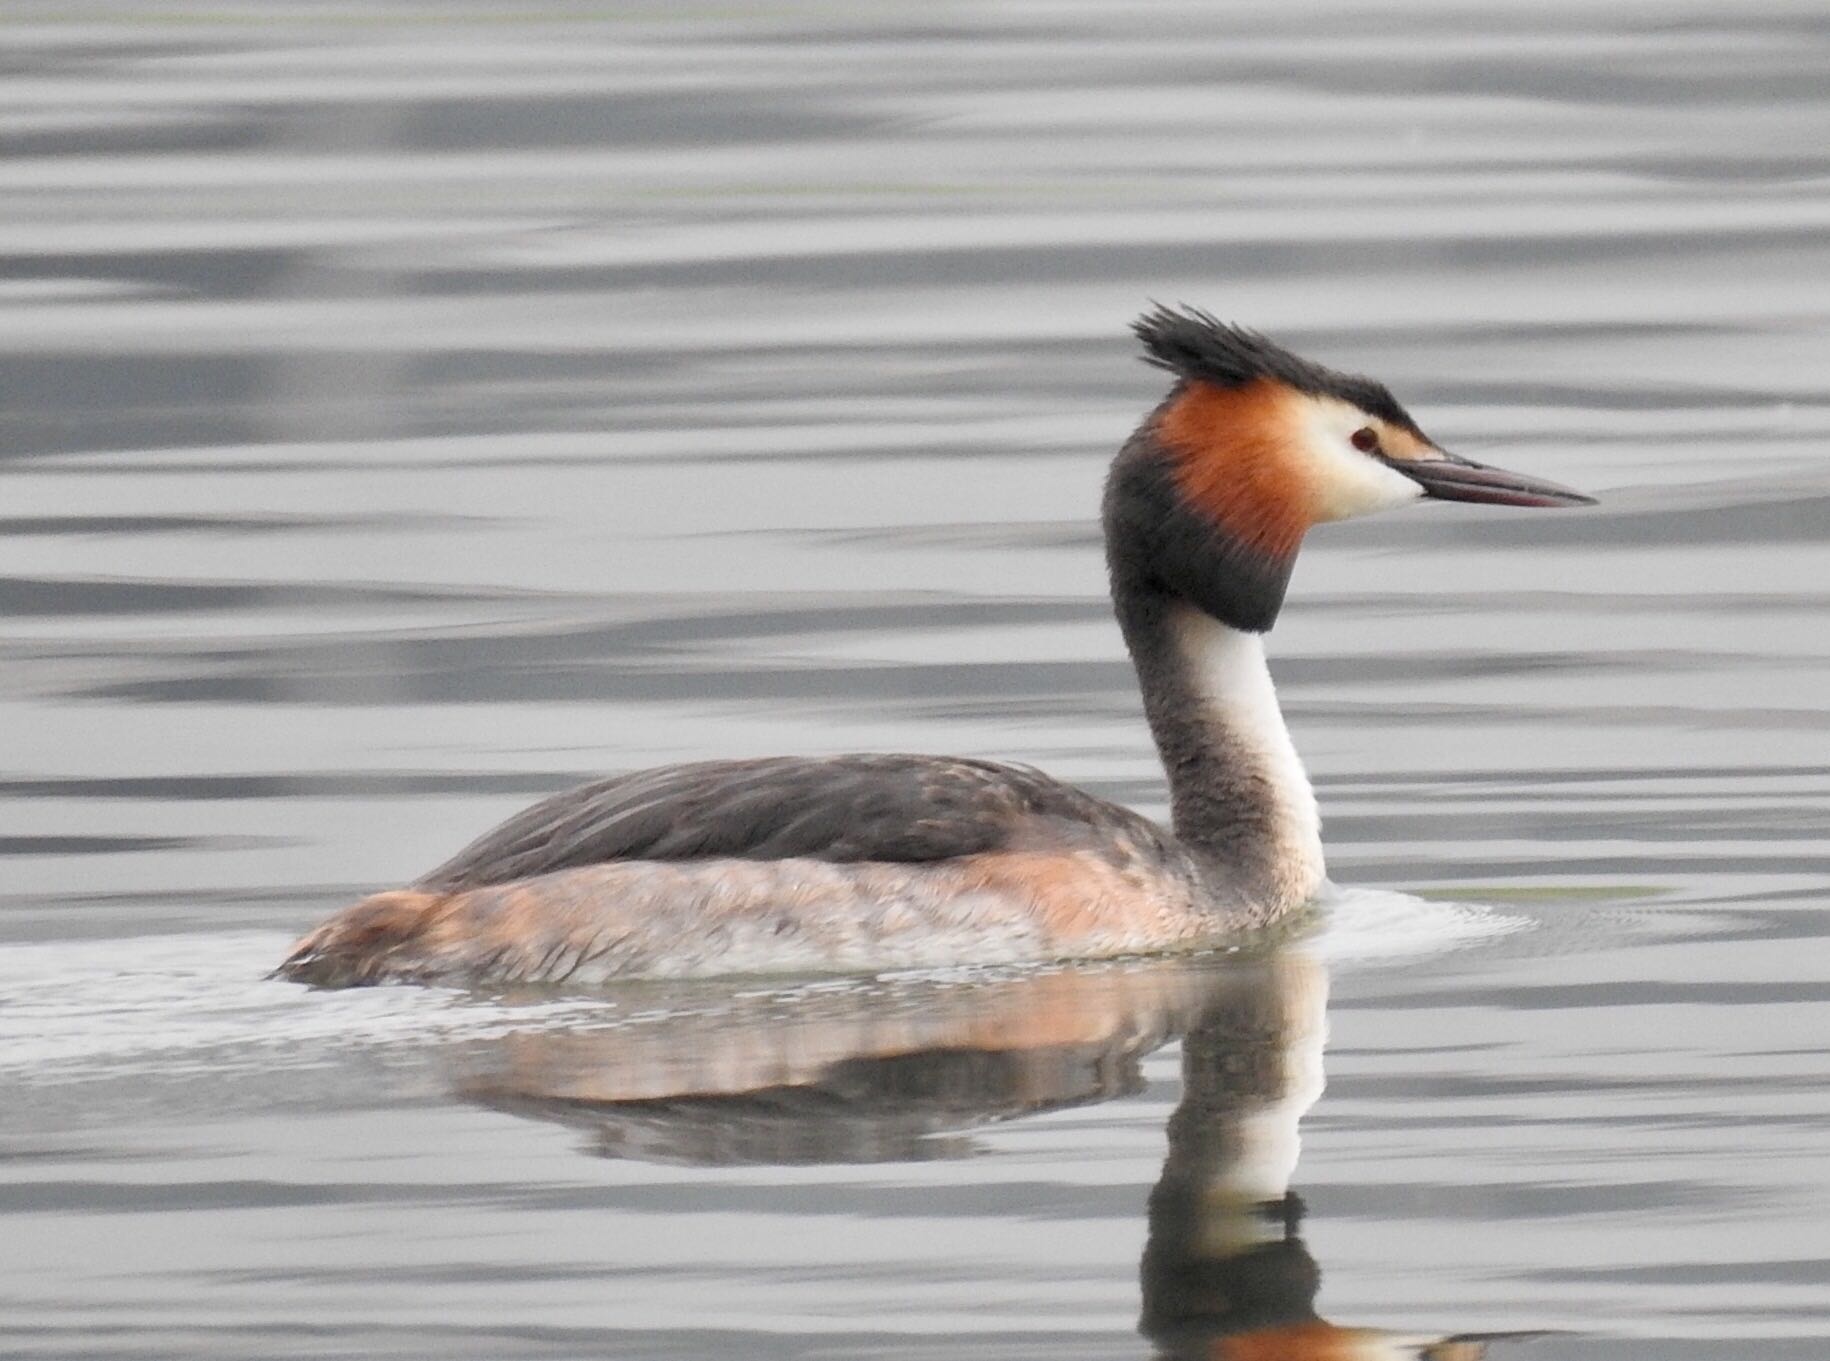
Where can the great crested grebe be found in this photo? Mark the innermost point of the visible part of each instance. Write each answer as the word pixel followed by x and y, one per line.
pixel 870 862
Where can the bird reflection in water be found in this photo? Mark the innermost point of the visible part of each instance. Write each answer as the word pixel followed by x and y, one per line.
pixel 899 1071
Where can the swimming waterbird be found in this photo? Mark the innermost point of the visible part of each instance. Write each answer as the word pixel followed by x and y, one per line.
pixel 872 862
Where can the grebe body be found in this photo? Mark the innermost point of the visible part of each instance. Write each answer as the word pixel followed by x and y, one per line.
pixel 870 862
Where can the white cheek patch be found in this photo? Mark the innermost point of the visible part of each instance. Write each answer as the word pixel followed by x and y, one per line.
pixel 1344 481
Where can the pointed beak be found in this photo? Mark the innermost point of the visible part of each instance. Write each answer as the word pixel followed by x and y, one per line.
pixel 1448 477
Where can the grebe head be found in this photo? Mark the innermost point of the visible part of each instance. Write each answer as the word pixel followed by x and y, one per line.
pixel 1253 446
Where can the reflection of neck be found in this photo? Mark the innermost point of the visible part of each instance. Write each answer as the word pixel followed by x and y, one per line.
pixel 1222 1256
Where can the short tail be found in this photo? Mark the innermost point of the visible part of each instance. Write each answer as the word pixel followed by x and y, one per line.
pixel 372 941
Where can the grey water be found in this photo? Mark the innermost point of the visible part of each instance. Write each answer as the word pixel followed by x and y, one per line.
pixel 408 410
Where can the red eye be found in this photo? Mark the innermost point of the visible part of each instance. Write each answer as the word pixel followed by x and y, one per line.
pixel 1366 439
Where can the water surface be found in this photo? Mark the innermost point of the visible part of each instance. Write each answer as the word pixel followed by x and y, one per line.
pixel 409 411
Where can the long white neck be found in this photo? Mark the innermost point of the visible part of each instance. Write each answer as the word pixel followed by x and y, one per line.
pixel 1239 791
pixel 1239 702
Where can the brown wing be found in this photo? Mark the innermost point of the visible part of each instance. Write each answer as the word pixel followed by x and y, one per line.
pixel 839 808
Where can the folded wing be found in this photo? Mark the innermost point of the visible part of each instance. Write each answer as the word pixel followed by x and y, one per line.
pixel 894 808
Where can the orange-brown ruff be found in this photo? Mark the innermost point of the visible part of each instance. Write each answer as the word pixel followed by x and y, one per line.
pixel 869 862
pixel 1230 455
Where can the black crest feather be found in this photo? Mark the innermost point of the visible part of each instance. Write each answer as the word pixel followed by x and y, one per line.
pixel 1198 347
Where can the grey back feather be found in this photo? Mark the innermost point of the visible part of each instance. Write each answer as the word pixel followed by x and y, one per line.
pixel 894 808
